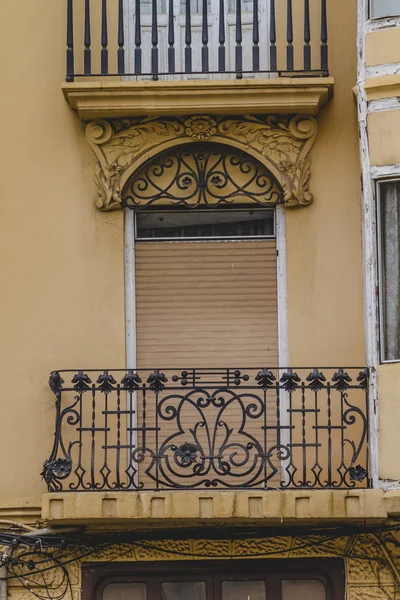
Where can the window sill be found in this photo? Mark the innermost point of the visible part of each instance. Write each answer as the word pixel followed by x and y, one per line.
pixel 283 95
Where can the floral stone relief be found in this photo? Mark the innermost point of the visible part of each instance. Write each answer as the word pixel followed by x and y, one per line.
pixel 282 144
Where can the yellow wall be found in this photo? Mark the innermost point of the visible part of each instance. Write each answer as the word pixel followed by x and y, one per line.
pixel 62 261
pixel 62 276
pixel 382 47
pixel 324 240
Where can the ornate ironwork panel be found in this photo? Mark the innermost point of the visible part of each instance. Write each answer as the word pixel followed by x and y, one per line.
pixel 202 176
pixel 209 428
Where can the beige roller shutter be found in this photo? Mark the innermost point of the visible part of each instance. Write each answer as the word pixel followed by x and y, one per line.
pixel 206 304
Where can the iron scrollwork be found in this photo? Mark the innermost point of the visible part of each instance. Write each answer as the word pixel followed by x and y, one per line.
pixel 200 176
pixel 209 428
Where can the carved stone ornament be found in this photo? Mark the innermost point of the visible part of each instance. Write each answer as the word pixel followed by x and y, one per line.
pixel 282 144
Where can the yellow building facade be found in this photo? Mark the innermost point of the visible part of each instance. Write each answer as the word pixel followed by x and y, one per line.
pixel 200 332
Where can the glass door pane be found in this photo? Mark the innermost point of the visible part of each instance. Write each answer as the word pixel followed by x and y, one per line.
pixel 184 590
pixel 303 589
pixel 243 590
pixel 125 591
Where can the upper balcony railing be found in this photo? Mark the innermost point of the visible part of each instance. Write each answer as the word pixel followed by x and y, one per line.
pixel 182 39
pixel 209 429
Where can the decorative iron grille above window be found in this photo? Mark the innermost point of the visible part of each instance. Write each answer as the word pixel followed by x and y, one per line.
pixel 199 176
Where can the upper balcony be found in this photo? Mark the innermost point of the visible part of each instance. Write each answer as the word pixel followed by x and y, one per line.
pixel 138 57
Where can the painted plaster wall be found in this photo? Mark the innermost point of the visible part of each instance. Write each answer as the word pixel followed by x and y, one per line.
pixel 62 276
pixel 324 241
pixel 382 47
pixel 62 299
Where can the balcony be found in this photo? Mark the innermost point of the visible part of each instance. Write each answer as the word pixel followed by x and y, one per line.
pixel 209 429
pixel 163 57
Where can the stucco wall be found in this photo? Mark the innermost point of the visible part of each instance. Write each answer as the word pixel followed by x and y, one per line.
pixel 62 276
pixel 62 261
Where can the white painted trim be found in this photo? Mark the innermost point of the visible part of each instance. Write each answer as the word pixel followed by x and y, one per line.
pixel 130 299
pixel 389 484
pixel 371 319
pixel 382 70
pixel 385 104
pixel 130 317
pixel 283 325
pixel 385 171
pixel 372 25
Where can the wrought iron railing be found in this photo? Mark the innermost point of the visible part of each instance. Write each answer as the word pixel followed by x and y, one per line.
pixel 209 428
pixel 139 38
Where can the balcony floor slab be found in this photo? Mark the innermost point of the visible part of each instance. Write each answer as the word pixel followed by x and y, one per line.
pixel 185 508
pixel 283 95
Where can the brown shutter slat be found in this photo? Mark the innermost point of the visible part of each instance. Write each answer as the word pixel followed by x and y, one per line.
pixel 198 301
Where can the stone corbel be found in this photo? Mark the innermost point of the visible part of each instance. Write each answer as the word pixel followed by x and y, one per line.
pixel 281 144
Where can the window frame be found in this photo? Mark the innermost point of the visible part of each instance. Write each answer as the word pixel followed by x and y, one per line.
pixel 372 18
pixel 380 267
pixel 330 571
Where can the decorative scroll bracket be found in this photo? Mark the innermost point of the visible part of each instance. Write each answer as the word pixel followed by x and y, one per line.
pixel 281 144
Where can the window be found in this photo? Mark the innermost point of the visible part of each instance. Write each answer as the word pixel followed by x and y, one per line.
pixel 389 268
pixel 384 8
pixel 206 224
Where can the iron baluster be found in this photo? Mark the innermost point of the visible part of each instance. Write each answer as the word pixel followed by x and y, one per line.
pixel 204 38
pixel 221 38
pixel 303 433
pixel 70 41
pixel 138 40
pixel 171 37
pixel 105 471
pixel 329 434
pixel 272 37
pixel 121 39
pixel 93 445
pixel 289 37
pixel 324 38
pixel 239 37
pixel 265 440
pixel 158 453
pixel 307 36
pixel 188 38
pixel 367 459
pixel 317 468
pixel 256 38
pixel 118 449
pixel 154 40
pixel 104 39
pixel 87 41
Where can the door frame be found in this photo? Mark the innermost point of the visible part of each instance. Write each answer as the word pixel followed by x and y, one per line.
pixel 330 571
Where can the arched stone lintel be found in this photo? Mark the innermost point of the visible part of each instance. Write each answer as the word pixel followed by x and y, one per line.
pixel 281 144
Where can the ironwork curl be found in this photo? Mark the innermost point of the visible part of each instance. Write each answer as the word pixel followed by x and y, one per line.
pixel 202 176
pixel 209 428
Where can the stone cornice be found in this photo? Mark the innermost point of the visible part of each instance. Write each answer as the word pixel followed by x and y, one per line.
pixel 280 95
pixel 281 143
